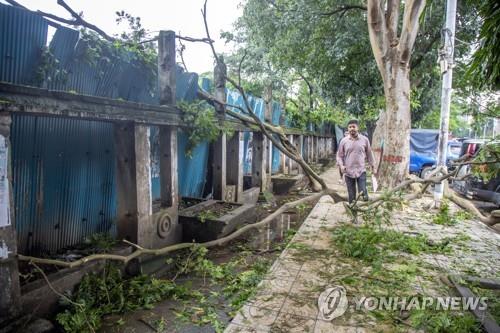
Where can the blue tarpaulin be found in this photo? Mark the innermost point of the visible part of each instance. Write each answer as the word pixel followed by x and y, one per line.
pixel 424 141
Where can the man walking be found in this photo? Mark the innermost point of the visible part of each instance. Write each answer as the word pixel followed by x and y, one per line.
pixel 353 151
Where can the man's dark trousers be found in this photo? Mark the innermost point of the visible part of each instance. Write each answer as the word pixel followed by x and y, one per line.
pixel 351 186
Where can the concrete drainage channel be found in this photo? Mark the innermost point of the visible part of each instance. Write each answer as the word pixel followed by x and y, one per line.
pixel 212 219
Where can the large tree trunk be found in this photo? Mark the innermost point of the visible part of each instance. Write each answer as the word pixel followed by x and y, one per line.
pixel 394 163
pixel 392 54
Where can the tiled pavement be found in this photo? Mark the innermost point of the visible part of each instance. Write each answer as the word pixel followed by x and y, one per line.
pixel 286 301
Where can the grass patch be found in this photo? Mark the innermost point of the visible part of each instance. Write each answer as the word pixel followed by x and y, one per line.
pixel 445 321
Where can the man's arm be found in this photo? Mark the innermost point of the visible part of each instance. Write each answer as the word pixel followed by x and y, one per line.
pixel 340 155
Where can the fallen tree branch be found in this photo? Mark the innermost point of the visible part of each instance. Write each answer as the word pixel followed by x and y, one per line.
pixel 171 248
pixel 66 298
pixel 342 10
pixel 282 143
pixel 469 206
pixel 476 162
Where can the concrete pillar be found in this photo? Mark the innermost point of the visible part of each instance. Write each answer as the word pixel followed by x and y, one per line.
pixel 163 228
pixel 143 185
pixel 126 185
pixel 325 151
pixel 234 164
pixel 309 141
pixel 169 189
pixel 219 146
pixel 321 147
pixel 10 294
pixel 133 183
pixel 311 152
pixel 316 149
pixel 219 168
pixel 169 183
pixel 313 149
pixel 166 67
pixel 283 163
pixel 259 161
pixel 325 147
pixel 290 161
pixel 270 158
pixel 300 144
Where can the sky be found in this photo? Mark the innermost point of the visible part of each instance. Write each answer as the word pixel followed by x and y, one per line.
pixel 182 16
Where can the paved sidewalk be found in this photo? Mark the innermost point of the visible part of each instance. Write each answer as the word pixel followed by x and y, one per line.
pixel 284 301
pixel 287 300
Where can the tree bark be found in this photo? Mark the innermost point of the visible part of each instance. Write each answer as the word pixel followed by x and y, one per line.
pixel 394 163
pixel 378 140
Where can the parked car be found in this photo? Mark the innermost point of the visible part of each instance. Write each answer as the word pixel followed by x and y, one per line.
pixel 474 187
pixel 423 151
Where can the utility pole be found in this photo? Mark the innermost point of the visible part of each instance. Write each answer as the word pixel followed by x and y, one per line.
pixel 446 64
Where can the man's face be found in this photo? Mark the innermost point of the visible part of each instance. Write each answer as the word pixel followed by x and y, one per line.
pixel 353 129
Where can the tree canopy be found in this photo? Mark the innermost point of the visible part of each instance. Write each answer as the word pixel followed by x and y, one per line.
pixel 325 45
pixel 485 67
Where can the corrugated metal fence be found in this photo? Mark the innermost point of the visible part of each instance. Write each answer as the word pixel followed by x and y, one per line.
pixel 64 185
pixel 64 169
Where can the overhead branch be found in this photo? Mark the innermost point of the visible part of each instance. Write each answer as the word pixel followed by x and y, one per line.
pixel 207 31
pixel 194 40
pixel 181 50
pixel 78 20
pixel 425 51
pixel 241 64
pixel 342 10
pixel 409 29
pixel 311 91
pixel 294 103
pixel 16 4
